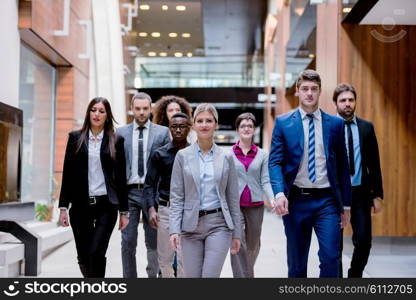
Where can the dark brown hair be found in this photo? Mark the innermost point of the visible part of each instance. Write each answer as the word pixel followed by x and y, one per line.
pixel 159 111
pixel 108 126
pixel 308 75
pixel 343 87
pixel 245 116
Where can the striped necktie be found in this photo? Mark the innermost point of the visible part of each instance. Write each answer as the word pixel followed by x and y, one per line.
pixel 311 150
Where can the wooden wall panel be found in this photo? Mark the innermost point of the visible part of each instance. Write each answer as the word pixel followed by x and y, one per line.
pixel 384 76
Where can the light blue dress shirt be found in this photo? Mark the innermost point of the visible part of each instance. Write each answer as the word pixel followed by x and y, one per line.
pixel 209 196
pixel 356 178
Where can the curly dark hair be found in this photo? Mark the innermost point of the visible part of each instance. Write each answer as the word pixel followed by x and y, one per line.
pixel 159 110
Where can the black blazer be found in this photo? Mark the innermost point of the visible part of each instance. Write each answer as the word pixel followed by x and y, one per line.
pixel 74 187
pixel 370 160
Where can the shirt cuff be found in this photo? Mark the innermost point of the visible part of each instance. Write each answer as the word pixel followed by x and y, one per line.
pixel 63 208
pixel 347 207
pixel 278 195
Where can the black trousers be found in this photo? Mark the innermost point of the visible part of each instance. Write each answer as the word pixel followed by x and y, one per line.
pixel 361 233
pixel 92 226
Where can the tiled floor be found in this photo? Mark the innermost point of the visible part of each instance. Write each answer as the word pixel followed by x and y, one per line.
pixel 271 261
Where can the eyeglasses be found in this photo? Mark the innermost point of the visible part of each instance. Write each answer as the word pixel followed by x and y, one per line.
pixel 246 126
pixel 176 127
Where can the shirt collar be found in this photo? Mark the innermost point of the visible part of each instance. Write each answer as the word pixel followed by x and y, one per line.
pixel 146 125
pixel 316 114
pixel 252 148
pixel 211 151
pixel 354 119
pixel 98 138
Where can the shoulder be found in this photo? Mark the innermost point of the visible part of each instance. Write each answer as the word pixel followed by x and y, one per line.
pixel 362 122
pixel 334 120
pixel 286 116
pixel 123 129
pixel 261 153
pixel 159 128
pixel 74 135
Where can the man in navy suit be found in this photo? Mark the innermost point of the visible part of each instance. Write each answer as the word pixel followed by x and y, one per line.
pixel 309 173
pixel 366 179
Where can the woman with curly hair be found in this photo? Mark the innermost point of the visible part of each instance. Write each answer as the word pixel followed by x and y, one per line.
pixel 167 106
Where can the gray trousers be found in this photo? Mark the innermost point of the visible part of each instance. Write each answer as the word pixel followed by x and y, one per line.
pixel 164 249
pixel 204 250
pixel 243 262
pixel 129 240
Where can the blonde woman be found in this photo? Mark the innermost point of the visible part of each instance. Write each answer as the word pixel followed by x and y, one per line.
pixel 204 199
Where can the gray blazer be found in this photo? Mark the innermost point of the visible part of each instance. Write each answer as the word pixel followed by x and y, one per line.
pixel 256 177
pixel 185 190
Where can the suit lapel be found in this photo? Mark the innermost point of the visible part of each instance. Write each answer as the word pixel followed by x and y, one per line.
pixel 104 146
pixel 297 120
pixel 150 139
pixel 325 131
pixel 218 164
pixel 194 165
pixel 360 133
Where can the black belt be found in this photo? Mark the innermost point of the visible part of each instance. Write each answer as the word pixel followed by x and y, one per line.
pixel 138 186
pixel 93 200
pixel 311 191
pixel 207 212
pixel 163 202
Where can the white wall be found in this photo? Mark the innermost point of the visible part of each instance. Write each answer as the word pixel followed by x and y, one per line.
pixel 9 52
pixel 106 73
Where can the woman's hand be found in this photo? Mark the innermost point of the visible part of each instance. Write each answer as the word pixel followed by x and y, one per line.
pixel 235 246
pixel 63 218
pixel 174 241
pixel 123 222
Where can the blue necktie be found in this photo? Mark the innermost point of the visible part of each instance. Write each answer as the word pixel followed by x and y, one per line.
pixel 311 149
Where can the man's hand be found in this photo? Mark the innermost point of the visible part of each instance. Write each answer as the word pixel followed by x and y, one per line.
pixel 63 218
pixel 153 217
pixel 123 222
pixel 377 206
pixel 174 241
pixel 235 246
pixel 345 218
pixel 281 206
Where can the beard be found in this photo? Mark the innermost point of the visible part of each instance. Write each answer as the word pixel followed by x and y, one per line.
pixel 346 114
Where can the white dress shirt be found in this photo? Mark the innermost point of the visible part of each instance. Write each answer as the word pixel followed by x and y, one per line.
pixel 96 181
pixel 134 178
pixel 302 178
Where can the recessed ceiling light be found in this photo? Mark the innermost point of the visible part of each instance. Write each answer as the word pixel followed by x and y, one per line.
pixel 133 34
pixel 346 10
pixel 178 54
pixel 163 54
pixel 165 7
pixel 186 35
pixel 173 34
pixel 311 55
pixel 156 34
pixel 144 7
pixel 180 7
pixel 151 53
pixel 189 54
pixel 143 34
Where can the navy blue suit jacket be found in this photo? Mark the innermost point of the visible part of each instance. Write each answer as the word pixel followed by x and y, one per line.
pixel 287 151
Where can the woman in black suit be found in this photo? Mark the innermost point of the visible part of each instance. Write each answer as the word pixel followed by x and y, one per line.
pixel 94 182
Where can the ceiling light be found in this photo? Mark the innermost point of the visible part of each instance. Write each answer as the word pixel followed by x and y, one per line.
pixel 151 53
pixel 178 54
pixel 143 34
pixel 189 54
pixel 180 7
pixel 156 34
pixel 144 7
pixel 163 54
pixel 311 55
pixel 133 34
pixel 173 34
pixel 346 10
pixel 165 7
pixel 186 35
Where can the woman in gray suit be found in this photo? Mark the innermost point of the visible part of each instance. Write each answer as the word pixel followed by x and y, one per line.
pixel 253 182
pixel 204 200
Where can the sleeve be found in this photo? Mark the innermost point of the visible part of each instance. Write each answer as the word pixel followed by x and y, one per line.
pixel 233 198
pixel 152 180
pixel 276 158
pixel 265 179
pixel 177 196
pixel 120 174
pixel 67 173
pixel 343 174
pixel 374 166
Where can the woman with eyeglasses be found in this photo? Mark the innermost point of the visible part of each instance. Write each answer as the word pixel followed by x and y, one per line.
pixel 204 212
pixel 94 183
pixel 253 183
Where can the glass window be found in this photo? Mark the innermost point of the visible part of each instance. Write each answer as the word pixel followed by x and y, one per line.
pixel 37 100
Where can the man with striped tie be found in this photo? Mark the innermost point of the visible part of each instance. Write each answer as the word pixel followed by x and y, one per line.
pixel 309 173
